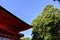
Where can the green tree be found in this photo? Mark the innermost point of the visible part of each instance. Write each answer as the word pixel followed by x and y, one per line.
pixel 26 38
pixel 47 25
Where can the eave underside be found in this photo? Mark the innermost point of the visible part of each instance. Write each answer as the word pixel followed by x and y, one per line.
pixel 10 34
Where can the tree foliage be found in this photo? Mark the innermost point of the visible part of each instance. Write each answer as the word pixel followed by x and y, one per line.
pixel 27 38
pixel 57 1
pixel 47 25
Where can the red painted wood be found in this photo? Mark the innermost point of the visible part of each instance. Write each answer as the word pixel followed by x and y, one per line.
pixel 15 24
pixel 11 25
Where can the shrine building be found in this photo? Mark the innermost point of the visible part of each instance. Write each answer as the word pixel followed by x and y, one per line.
pixel 10 26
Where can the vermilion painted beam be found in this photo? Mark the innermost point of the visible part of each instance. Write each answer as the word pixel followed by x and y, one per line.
pixel 15 23
pixel 11 25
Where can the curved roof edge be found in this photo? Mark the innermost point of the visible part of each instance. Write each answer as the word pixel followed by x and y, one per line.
pixel 14 15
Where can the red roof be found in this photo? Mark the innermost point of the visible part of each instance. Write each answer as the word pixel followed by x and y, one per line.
pixel 10 22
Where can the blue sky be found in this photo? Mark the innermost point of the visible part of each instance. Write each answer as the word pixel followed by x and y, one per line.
pixel 27 10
